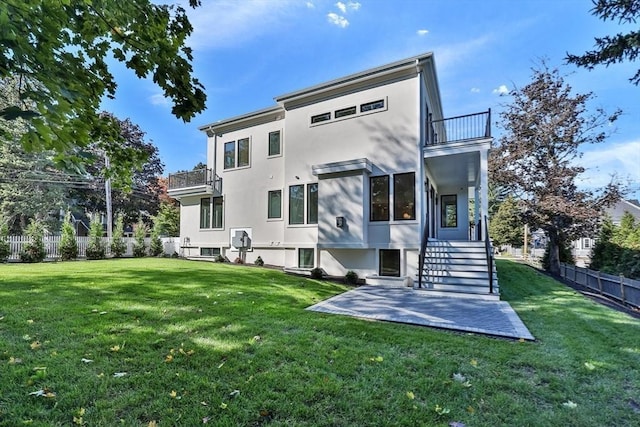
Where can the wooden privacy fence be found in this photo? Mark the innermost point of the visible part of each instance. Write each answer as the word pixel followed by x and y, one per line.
pixel 52 246
pixel 620 288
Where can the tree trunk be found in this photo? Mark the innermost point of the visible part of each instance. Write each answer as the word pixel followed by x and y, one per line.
pixel 554 253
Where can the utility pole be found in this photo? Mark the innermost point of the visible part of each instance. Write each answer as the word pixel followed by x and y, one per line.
pixel 107 190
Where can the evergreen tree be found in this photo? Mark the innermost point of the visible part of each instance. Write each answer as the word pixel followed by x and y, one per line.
pixel 34 251
pixel 96 247
pixel 68 241
pixel 139 234
pixel 155 247
pixel 118 246
pixel 5 248
pixel 506 227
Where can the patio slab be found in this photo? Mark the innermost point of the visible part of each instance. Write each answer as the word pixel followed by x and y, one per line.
pixel 405 305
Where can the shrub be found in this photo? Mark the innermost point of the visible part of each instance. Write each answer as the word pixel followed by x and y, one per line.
pixel 259 262
pixel 317 273
pixel 220 258
pixel 351 278
pixel 5 249
pixel 68 241
pixel 34 251
pixel 139 234
pixel 96 248
pixel 155 247
pixel 118 246
pixel 239 261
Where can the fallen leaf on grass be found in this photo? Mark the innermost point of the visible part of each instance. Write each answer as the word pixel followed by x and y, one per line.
pixel 441 410
pixel 35 345
pixel 377 359
pixel 590 366
pixel 14 361
pixel 168 358
pixel 30 321
pixel 410 395
pixel 152 423
pixel 569 404
pixel 456 424
pixel 223 405
pixel 205 420
pixel 119 374
pixel 115 348
pixel 474 363
pixel 234 393
pixel 173 394
pixel 43 392
pixel 83 360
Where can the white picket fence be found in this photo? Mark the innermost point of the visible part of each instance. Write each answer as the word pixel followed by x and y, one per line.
pixel 52 246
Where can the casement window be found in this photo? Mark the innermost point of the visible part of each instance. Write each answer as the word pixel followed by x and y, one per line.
pixel 275 148
pixel 370 106
pixel 296 204
pixel 205 212
pixel 218 212
pixel 404 196
pixel 211 218
pixel 449 211
pixel 274 202
pixel 389 262
pixel 305 257
pixel 237 156
pixel 379 197
pixel 312 203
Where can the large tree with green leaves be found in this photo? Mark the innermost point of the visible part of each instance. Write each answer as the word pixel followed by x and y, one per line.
pixel 613 49
pixel 506 226
pixel 59 50
pixel 537 158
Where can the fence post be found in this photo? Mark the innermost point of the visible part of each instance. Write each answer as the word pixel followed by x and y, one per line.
pixel 622 287
pixel 599 283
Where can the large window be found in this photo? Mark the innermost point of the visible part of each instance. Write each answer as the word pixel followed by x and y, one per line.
pixel 230 155
pixel 243 152
pixel 205 212
pixel 390 262
pixel 305 257
pixel 274 204
pixel 296 204
pixel 218 212
pixel 274 143
pixel 449 211
pixel 404 196
pixel 312 203
pixel 379 198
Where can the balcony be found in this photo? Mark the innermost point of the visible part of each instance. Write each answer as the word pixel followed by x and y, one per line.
pixel 194 183
pixel 469 128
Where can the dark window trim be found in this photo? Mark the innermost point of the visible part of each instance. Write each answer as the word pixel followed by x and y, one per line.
pixel 373 105
pixel 309 205
pixel 224 155
pixel 319 118
pixel 388 216
pixel 344 112
pixel 390 251
pixel 269 204
pixel 443 210
pixel 279 153
pixel 396 211
pixel 303 205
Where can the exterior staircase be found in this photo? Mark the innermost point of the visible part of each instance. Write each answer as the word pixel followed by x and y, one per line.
pixel 459 269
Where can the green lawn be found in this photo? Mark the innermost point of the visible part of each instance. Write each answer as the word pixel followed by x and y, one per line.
pixel 227 345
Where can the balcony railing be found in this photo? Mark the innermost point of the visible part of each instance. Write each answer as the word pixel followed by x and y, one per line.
pixel 461 128
pixel 195 178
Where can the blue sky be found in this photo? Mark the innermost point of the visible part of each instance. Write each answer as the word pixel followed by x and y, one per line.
pixel 249 51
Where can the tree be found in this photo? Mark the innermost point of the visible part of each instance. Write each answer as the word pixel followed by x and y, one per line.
pixel 145 189
pixel 96 248
pixel 613 49
pixel 68 241
pixel 617 249
pixel 139 234
pixel 118 247
pixel 167 222
pixel 506 227
pixel 59 51
pixel 5 248
pixel 155 246
pixel 536 158
pixel 34 251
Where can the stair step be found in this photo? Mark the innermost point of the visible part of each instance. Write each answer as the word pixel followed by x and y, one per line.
pixel 435 266
pixel 452 280
pixel 461 274
pixel 467 289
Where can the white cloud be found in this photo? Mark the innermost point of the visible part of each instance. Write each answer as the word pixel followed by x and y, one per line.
pixel 501 90
pixel 342 7
pixel 602 161
pixel 422 32
pixel 475 90
pixel 158 99
pixel 354 5
pixel 338 20
pixel 310 5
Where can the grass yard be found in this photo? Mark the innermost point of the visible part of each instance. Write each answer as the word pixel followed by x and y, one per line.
pixel 143 342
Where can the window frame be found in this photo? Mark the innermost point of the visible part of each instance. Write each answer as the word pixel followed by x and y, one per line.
pixel 269 205
pixel 381 265
pixel 386 217
pixel 212 251
pixel 215 202
pixel 320 118
pixel 368 107
pixel 345 112
pixel 448 200
pixel 246 162
pixel 312 203
pixel 301 213
pixel 279 153
pixel 225 165
pixel 398 203
pixel 205 213
pixel 300 257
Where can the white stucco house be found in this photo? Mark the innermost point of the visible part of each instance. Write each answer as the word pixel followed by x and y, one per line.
pixel 361 173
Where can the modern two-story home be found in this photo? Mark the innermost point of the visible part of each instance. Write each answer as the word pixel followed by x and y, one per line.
pixel 361 173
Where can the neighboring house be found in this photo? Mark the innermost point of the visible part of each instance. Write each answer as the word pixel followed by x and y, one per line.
pixel 346 175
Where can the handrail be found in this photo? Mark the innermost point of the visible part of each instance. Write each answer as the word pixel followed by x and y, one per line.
pixel 423 248
pixel 459 128
pixel 489 252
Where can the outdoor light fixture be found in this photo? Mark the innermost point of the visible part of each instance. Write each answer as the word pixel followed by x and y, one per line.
pixel 340 221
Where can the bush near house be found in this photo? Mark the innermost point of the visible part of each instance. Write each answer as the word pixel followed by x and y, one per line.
pixel 34 251
pixel 351 278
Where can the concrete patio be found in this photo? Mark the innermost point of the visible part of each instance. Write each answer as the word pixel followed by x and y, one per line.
pixel 405 305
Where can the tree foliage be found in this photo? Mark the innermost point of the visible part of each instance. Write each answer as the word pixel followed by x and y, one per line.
pixel 139 245
pixel 96 247
pixel 617 249
pixel 5 248
pixel 167 222
pixel 60 51
pixel 506 226
pixel 68 241
pixel 536 158
pixel 34 251
pixel 118 246
pixel 613 49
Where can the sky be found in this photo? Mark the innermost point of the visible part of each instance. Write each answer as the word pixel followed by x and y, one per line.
pixel 247 52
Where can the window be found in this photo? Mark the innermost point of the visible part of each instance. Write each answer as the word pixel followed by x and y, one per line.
pixel 369 106
pixel 320 118
pixel 312 200
pixel 274 204
pixel 296 204
pixel 345 112
pixel 218 212
pixel 230 155
pixel 449 211
pixel 274 143
pixel 390 262
pixel 205 212
pixel 404 198
pixel 586 243
pixel 305 257
pixel 243 152
pixel 379 198
pixel 212 252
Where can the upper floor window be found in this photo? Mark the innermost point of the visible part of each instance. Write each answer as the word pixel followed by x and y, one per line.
pixel 312 203
pixel 274 143
pixel 379 187
pixel 274 208
pixel 211 218
pixel 296 204
pixel 345 112
pixel 372 105
pixel 236 156
pixel 320 118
